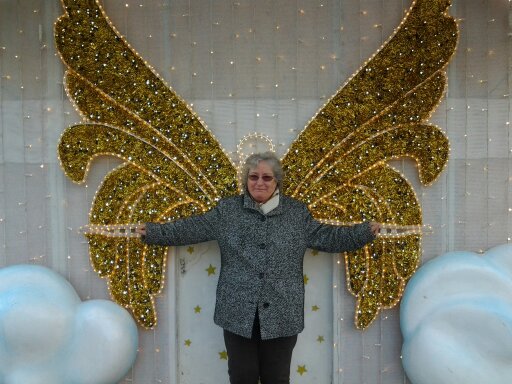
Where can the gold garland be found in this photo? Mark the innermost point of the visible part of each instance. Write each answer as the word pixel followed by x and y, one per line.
pixel 174 167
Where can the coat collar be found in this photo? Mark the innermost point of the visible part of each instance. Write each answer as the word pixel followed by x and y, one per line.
pixel 249 203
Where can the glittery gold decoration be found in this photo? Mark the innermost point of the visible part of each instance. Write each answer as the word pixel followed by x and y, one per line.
pixel 173 166
pixel 338 163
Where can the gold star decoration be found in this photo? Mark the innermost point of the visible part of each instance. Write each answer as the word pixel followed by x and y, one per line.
pixel 190 249
pixel 301 369
pixel 306 279
pixel 197 309
pixel 314 252
pixel 188 342
pixel 315 308
pixel 320 339
pixel 210 270
pixel 223 355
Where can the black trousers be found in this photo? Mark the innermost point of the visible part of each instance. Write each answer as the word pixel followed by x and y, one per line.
pixel 253 359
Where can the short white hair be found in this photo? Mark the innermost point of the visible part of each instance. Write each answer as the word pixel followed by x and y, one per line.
pixel 268 157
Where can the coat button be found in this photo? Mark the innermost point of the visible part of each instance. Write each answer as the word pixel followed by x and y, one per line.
pixel 266 305
pixel 261 275
pixel 262 246
pixel 263 218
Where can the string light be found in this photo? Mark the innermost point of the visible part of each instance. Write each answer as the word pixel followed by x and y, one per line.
pixel 75 256
pixel 324 169
pixel 101 248
pixel 142 147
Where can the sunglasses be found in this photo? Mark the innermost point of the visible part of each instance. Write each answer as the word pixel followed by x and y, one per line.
pixel 265 178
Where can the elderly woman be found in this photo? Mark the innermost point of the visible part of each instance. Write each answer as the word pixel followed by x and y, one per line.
pixel 262 236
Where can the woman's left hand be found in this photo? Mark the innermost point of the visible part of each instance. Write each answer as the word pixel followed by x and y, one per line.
pixel 141 229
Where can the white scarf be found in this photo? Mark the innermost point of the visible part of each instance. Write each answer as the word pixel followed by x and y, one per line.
pixel 271 204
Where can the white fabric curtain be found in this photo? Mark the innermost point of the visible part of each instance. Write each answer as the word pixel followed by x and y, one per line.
pixel 251 66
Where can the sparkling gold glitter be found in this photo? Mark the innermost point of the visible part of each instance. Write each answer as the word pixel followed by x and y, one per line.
pixel 173 167
pixel 337 164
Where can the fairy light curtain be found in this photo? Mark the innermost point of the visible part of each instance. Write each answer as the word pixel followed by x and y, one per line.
pixel 247 67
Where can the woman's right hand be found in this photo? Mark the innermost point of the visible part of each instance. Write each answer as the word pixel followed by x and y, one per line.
pixel 375 228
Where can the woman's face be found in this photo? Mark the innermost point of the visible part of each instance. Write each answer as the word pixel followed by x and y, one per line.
pixel 261 182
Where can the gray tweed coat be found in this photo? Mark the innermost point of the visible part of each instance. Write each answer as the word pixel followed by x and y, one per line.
pixel 261 259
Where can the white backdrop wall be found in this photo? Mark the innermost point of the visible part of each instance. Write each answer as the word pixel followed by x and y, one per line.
pixel 251 66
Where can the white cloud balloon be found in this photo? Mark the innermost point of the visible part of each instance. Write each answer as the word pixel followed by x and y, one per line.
pixel 48 335
pixel 456 319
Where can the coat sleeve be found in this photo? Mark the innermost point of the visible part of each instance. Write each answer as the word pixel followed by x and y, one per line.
pixel 335 239
pixel 192 230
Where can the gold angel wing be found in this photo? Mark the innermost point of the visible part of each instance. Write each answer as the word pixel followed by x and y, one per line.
pixel 171 167
pixel 338 165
